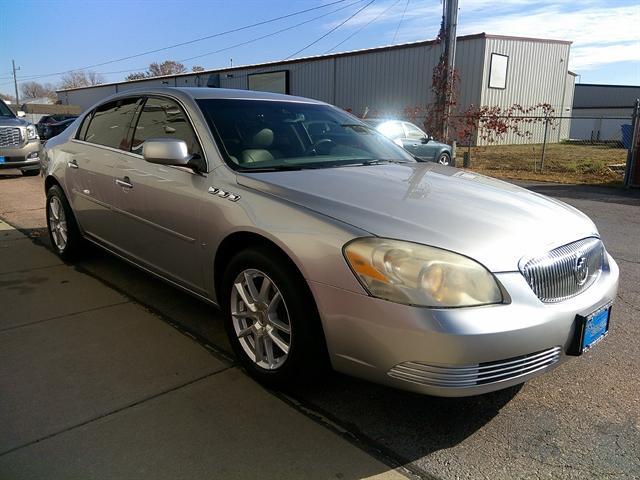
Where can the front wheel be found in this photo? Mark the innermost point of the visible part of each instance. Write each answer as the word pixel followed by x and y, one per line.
pixel 271 318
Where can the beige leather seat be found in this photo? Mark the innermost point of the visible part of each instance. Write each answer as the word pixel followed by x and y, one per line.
pixel 260 151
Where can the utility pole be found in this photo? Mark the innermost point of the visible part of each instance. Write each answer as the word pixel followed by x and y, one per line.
pixel 15 82
pixel 450 23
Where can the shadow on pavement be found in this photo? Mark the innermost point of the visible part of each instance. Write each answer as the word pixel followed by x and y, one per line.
pixel 394 425
pixel 412 425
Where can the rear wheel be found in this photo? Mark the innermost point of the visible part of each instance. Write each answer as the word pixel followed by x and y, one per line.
pixel 63 229
pixel 445 159
pixel 271 318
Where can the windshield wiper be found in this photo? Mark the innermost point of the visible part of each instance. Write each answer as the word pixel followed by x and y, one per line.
pixel 366 163
pixel 278 168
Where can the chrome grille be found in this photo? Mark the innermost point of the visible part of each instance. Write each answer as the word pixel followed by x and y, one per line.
pixel 10 137
pixel 472 375
pixel 566 271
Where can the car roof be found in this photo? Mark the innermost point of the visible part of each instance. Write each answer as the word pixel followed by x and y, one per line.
pixel 198 93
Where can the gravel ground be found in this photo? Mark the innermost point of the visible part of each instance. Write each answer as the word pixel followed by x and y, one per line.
pixel 580 421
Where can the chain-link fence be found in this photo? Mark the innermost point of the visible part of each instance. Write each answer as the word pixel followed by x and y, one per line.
pixel 577 148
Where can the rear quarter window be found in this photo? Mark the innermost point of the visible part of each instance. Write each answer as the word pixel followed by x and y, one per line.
pixel 82 131
pixel 109 125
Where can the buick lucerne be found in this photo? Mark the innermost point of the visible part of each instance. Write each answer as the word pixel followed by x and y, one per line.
pixel 326 244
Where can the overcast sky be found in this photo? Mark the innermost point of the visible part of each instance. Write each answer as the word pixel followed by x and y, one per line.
pixel 46 37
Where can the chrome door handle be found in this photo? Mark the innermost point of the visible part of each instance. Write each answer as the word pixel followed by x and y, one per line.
pixel 124 183
pixel 72 164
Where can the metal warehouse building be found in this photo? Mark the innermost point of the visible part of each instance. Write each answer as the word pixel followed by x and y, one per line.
pixel 601 110
pixel 494 71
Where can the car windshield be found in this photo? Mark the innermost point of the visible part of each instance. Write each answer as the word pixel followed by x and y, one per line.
pixel 4 110
pixel 279 135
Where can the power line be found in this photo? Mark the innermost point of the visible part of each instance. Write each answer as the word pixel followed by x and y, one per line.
pixel 329 32
pixel 363 27
pixel 264 69
pixel 400 22
pixel 290 28
pixel 188 42
pixel 255 39
pixel 269 34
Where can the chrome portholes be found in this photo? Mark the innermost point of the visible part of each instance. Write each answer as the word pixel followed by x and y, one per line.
pixel 223 194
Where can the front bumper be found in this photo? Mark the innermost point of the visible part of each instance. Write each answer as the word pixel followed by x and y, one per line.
pixel 408 347
pixel 26 157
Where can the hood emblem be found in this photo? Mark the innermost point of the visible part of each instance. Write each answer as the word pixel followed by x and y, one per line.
pixel 581 270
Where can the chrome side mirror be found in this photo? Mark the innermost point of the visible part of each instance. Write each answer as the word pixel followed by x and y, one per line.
pixel 20 114
pixel 166 151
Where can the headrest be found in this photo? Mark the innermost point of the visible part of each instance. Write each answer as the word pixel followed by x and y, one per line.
pixel 317 129
pixel 262 138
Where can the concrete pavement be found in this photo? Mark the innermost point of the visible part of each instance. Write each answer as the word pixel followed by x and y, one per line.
pixel 93 385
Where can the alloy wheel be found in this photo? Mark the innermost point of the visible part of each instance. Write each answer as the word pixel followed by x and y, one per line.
pixel 443 160
pixel 260 319
pixel 58 223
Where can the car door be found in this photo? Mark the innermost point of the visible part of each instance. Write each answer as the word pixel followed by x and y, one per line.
pixel 417 142
pixel 90 169
pixel 159 206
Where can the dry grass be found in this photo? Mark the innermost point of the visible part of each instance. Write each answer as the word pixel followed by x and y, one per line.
pixel 564 163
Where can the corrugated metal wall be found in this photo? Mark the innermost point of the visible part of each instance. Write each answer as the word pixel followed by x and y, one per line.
pixel 609 96
pixel 388 80
pixel 596 124
pixel 313 79
pixel 536 73
pixel 564 124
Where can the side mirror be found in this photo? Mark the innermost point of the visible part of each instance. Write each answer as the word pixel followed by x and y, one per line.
pixel 169 151
pixel 20 114
pixel 425 139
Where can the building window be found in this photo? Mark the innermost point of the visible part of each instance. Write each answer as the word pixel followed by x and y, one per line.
pixel 498 71
pixel 275 82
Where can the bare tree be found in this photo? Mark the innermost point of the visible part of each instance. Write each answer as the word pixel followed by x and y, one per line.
pixel 197 68
pixel 7 98
pixel 33 90
pixel 81 78
pixel 168 67
pixel 135 76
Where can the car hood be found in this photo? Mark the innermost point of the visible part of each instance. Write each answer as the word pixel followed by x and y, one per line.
pixel 493 222
pixel 13 122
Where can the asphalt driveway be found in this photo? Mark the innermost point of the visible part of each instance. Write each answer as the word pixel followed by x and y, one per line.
pixel 580 421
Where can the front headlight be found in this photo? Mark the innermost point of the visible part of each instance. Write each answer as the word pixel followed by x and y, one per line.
pixel 32 133
pixel 415 274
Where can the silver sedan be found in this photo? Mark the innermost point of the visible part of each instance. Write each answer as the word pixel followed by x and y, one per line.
pixel 325 244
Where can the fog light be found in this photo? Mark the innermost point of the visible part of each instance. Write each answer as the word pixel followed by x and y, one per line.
pixel 32 155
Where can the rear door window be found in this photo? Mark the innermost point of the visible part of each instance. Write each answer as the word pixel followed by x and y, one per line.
pixel 109 125
pixel 164 118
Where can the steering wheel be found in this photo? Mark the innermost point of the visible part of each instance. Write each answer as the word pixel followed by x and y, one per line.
pixel 313 149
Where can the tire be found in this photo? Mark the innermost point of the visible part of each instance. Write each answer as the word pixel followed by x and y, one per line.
pixel 30 173
pixel 305 356
pixel 445 159
pixel 64 234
